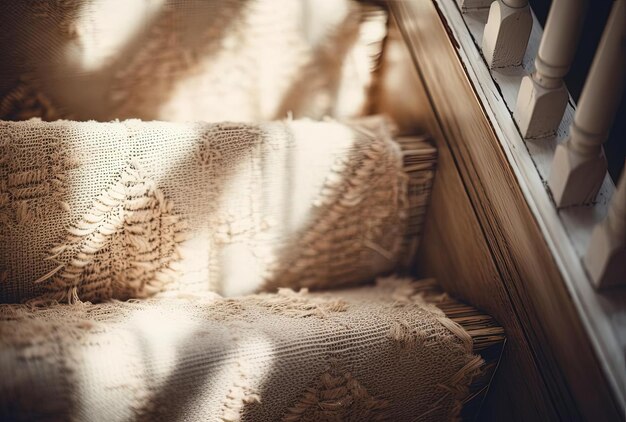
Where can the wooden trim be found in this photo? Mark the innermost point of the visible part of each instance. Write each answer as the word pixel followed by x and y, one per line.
pixel 528 271
pixel 453 246
pixel 568 231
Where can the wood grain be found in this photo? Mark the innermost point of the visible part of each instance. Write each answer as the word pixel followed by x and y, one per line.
pixel 484 244
pixel 567 231
pixel 454 249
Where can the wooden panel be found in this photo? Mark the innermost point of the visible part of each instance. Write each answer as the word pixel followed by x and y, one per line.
pixel 522 286
pixel 567 231
pixel 454 249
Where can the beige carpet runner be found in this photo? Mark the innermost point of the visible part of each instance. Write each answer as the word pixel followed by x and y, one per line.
pixel 187 60
pixel 362 354
pixel 92 211
pixel 137 245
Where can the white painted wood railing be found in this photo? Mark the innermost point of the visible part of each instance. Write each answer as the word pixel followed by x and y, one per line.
pixel 507 32
pixel 583 262
pixel 606 254
pixel 579 164
pixel 543 95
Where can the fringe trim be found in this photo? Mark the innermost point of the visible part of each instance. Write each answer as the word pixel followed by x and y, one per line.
pixel 107 254
pixel 419 159
pixel 476 331
pixel 297 304
pixel 26 101
pixel 242 393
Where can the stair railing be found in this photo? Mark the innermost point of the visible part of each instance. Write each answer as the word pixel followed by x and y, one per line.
pixel 606 254
pixel 507 32
pixel 543 96
pixel 579 164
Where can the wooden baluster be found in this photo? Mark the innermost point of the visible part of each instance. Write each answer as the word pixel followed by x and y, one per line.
pixel 507 32
pixel 606 254
pixel 543 96
pixel 579 164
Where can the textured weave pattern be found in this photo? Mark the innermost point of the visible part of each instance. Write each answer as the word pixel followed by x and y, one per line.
pixel 187 60
pixel 121 209
pixel 374 353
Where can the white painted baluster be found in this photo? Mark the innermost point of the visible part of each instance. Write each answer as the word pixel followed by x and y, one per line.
pixel 507 32
pixel 543 96
pixel 606 255
pixel 579 164
pixel 466 5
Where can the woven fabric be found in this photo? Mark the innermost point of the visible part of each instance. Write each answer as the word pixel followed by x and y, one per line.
pixel 187 60
pixel 94 211
pixel 365 354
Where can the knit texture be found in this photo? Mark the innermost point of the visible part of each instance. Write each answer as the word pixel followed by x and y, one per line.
pixel 93 211
pixel 366 354
pixel 187 60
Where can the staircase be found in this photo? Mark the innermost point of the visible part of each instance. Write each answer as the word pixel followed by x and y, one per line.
pixel 183 266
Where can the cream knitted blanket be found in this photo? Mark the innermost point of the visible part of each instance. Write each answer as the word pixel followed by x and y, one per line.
pixel 93 211
pixel 366 354
pixel 187 60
